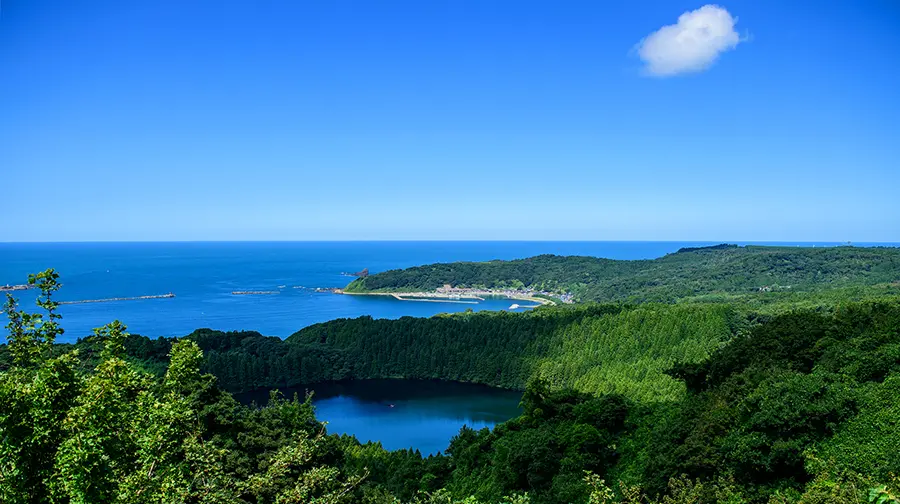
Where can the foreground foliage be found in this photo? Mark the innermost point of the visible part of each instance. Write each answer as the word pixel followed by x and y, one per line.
pixel 117 434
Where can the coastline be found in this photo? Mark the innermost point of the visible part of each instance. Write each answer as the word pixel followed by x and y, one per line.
pixel 471 297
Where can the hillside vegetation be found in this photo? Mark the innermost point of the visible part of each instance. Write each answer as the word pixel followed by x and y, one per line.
pixel 596 349
pixel 799 407
pixel 731 270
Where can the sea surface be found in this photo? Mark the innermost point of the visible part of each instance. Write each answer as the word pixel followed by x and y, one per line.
pixel 422 415
pixel 202 276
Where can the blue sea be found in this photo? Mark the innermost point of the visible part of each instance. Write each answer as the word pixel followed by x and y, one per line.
pixel 202 276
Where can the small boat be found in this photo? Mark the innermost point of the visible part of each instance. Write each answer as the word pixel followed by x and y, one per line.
pixel 514 307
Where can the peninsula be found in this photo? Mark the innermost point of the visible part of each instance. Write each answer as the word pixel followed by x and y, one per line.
pixel 360 274
pixel 729 271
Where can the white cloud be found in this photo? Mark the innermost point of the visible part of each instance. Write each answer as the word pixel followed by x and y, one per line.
pixel 692 44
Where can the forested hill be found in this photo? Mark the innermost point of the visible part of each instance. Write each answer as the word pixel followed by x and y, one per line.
pixel 800 407
pixel 721 269
pixel 592 348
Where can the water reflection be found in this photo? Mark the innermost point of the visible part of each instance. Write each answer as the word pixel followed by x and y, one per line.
pixel 422 415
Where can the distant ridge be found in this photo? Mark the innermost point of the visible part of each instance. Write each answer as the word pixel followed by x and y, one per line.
pixel 717 271
pixel 721 246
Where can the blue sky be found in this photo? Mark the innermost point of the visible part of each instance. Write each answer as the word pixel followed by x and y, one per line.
pixel 306 120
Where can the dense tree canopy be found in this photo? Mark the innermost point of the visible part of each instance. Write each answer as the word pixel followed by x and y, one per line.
pixel 798 407
pixel 592 348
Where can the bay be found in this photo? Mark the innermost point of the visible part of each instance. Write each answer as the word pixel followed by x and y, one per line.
pixel 203 275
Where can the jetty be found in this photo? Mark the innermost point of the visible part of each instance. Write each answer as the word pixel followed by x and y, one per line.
pixel 333 290
pixel 109 300
pixel 7 287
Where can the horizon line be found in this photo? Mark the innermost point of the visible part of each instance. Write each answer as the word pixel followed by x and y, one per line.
pixel 427 240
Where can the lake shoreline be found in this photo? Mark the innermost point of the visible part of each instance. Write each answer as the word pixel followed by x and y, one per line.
pixel 310 387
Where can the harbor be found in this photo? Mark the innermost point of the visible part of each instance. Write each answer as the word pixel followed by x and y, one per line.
pixel 433 300
pixel 464 296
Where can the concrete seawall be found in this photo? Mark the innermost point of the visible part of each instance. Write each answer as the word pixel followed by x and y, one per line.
pixel 109 300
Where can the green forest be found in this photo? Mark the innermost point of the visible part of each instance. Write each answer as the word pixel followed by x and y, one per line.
pixel 592 348
pixel 636 401
pixel 752 274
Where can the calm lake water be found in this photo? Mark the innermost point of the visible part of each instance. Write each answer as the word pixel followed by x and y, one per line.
pixel 423 415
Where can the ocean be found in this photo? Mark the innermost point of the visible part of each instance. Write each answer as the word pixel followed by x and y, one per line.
pixel 203 275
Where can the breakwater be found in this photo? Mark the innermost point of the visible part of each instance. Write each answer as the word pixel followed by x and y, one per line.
pixel 109 300
pixel 7 287
pixel 252 293
pixel 429 300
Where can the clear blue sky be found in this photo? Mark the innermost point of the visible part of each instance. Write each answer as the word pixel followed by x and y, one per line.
pixel 294 120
